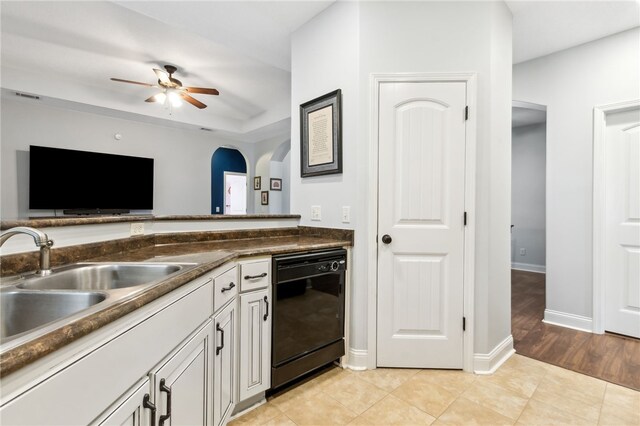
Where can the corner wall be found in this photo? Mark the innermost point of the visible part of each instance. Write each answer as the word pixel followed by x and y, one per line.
pixel 341 48
pixel 571 83
pixel 324 57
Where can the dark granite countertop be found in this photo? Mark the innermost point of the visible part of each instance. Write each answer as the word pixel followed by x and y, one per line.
pixel 208 255
pixel 50 222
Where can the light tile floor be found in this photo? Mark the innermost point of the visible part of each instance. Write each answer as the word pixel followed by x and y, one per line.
pixel 523 392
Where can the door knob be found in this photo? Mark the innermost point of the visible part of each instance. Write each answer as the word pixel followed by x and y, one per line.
pixel 386 238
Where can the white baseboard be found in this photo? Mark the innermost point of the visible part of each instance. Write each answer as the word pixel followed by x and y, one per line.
pixel 489 363
pixel 528 267
pixel 563 319
pixel 357 359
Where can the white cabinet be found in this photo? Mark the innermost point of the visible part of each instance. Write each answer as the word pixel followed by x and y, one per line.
pixel 183 385
pixel 224 369
pixel 133 409
pixel 255 343
pixel 255 274
pixel 83 390
pixel 185 359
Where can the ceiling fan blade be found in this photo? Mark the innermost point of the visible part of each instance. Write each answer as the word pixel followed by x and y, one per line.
pixel 132 82
pixel 202 90
pixel 192 101
pixel 162 76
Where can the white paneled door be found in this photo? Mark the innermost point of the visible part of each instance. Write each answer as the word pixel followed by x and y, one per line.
pixel 622 234
pixel 421 193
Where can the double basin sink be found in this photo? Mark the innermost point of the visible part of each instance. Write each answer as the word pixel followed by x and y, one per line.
pixel 35 305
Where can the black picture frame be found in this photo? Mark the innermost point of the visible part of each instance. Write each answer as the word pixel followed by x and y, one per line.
pixel 257 183
pixel 275 184
pixel 326 158
pixel 264 198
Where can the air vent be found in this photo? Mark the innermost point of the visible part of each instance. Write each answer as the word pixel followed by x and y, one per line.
pixel 27 95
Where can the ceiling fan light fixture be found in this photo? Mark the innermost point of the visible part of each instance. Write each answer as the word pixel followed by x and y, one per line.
pixel 174 98
pixel 160 98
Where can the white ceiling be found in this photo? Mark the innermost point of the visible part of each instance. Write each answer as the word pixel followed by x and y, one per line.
pixel 67 51
pixel 544 27
pixel 522 116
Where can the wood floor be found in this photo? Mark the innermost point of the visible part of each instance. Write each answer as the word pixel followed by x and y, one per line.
pixel 609 357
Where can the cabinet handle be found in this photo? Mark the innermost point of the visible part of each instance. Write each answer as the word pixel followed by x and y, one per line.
pixel 167 390
pixel 219 348
pixel 253 277
pixel 266 305
pixel 232 285
pixel 146 403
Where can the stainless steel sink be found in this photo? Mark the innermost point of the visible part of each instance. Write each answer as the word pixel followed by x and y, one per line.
pixel 35 305
pixel 101 277
pixel 22 311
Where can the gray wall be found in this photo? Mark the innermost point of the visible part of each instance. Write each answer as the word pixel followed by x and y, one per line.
pixel 528 151
pixel 571 83
pixel 182 157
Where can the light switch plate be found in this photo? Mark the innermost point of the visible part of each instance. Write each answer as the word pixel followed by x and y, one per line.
pixel 316 213
pixel 137 228
pixel 346 214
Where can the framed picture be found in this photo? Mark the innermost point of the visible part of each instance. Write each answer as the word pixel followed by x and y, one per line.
pixel 264 198
pixel 257 183
pixel 276 184
pixel 321 135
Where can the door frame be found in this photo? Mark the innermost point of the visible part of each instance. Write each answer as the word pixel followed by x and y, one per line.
pixel 599 211
pixel 469 201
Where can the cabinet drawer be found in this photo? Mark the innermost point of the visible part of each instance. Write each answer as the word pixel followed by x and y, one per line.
pixel 255 275
pixel 225 288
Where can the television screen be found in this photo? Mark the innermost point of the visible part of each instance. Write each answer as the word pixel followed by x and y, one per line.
pixel 81 180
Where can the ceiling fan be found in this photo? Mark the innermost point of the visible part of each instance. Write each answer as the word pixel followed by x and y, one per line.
pixel 172 89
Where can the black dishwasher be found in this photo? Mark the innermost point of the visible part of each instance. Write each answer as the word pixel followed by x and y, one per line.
pixel 308 313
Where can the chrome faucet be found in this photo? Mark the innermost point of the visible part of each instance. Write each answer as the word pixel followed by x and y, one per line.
pixel 41 240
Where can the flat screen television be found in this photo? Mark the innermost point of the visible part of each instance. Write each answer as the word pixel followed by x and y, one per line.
pixel 82 182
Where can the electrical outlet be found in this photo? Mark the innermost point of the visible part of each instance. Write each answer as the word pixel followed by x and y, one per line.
pixel 137 228
pixel 316 213
pixel 523 252
pixel 346 214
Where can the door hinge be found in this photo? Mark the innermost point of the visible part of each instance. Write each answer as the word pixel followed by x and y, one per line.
pixel 464 324
pixel 466 113
pixel 464 218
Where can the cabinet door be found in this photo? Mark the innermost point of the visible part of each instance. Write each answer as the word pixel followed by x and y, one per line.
pixel 255 343
pixel 130 410
pixel 183 390
pixel 224 369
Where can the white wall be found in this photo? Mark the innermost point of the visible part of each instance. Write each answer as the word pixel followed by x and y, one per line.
pixel 324 57
pixel 528 205
pixel 182 157
pixel 341 48
pixel 570 83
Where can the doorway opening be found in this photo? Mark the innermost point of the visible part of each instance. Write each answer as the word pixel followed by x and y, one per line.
pixel 228 182
pixel 528 218
pixel 235 193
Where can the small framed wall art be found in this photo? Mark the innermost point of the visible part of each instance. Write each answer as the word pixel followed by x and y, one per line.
pixel 276 184
pixel 257 183
pixel 264 198
pixel 321 135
